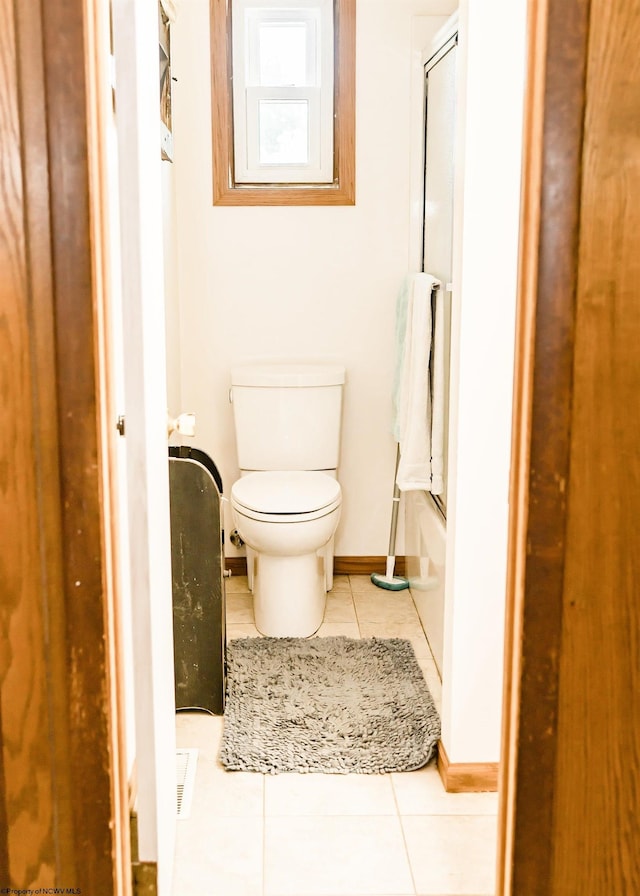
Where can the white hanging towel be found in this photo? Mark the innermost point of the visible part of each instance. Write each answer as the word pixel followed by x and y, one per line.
pixel 437 393
pixel 412 425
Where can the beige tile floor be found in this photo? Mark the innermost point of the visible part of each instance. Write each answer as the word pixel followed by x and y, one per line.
pixel 331 835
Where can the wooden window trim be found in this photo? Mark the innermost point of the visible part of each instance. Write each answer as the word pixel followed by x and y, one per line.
pixel 342 190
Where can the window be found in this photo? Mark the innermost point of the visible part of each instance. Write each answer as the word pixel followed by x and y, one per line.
pixel 283 74
pixel 283 91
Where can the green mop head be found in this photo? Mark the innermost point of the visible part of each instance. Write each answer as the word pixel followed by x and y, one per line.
pixel 390 583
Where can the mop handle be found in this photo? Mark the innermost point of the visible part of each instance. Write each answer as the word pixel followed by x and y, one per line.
pixel 395 505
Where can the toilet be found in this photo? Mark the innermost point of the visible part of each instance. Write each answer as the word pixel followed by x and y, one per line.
pixel 286 504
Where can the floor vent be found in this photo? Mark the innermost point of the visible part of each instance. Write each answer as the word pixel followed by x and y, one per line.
pixel 186 762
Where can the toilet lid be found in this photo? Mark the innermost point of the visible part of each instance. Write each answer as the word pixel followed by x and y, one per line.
pixel 286 492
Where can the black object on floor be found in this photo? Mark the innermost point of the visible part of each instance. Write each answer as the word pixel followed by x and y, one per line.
pixel 197 564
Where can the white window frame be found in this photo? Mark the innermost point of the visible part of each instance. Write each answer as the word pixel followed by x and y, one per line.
pixel 247 16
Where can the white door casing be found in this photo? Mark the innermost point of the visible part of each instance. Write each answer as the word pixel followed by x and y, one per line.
pixel 135 36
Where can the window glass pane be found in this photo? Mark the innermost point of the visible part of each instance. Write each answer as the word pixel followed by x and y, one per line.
pixel 284 132
pixel 283 54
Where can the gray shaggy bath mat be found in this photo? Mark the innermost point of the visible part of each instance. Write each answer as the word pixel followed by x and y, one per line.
pixel 332 705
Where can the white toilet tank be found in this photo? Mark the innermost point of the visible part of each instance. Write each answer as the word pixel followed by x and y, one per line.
pixel 287 416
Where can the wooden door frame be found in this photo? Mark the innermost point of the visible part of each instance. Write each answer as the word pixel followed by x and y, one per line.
pixel 571 732
pixel 541 434
pixel 63 786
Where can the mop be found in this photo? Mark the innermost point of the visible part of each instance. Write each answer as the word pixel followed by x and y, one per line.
pixel 389 581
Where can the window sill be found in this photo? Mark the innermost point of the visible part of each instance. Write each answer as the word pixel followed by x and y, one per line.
pixel 252 194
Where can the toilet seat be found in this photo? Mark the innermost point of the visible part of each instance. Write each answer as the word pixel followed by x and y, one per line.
pixel 286 496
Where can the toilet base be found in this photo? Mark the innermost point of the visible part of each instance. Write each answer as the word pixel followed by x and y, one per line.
pixel 326 552
pixel 288 594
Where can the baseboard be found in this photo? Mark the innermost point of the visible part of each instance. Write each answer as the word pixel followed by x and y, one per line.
pixel 144 875
pixel 466 777
pixel 133 813
pixel 364 566
pixel 237 566
pixel 355 566
pixel 144 878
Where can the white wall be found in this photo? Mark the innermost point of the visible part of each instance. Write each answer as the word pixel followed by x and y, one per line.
pixel 304 282
pixel 491 84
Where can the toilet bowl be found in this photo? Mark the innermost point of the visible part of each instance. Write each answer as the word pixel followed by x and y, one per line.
pixel 287 519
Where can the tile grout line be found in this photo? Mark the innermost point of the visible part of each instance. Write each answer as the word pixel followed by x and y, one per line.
pixel 264 835
pixel 355 609
pixel 426 637
pixel 404 839
pixel 393 789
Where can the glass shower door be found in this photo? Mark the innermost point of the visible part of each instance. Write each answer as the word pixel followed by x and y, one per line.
pixel 440 74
